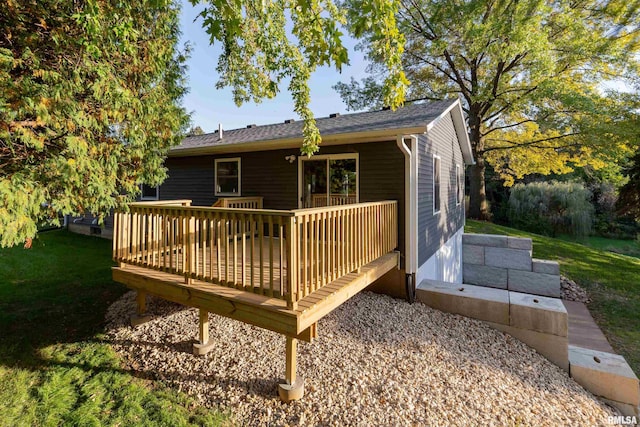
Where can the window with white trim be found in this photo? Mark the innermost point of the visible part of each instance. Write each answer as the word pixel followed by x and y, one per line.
pixel 436 184
pixel 148 192
pixel 227 175
pixel 459 191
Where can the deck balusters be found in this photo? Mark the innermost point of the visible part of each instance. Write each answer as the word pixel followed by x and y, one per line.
pixel 281 254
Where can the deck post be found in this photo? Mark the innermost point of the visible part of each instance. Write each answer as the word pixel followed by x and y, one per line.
pixel 189 248
pixel 205 345
pixel 293 389
pixel 141 315
pixel 292 264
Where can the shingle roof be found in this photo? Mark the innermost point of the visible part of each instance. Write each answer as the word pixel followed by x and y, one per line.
pixel 408 116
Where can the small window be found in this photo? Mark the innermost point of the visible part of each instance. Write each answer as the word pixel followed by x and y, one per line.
pixel 148 192
pixel 436 184
pixel 459 191
pixel 227 177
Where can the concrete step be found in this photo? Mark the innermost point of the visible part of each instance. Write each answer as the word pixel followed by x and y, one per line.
pixel 524 311
pixel 477 302
pixel 607 375
pixel 543 324
pixel 537 313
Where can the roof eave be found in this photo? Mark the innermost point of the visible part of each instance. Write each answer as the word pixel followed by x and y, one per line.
pixel 463 133
pixel 460 125
pixel 276 144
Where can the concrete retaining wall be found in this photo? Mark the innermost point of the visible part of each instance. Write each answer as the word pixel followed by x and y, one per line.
pixel 506 263
pixel 91 230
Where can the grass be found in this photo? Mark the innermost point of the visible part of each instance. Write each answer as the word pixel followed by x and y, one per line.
pixel 55 367
pixel 618 246
pixel 611 279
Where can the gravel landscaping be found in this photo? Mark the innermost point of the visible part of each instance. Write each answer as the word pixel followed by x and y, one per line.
pixel 377 361
pixel 571 291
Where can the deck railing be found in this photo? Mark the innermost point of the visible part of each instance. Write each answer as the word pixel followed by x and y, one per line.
pixel 321 200
pixel 249 202
pixel 330 242
pixel 281 254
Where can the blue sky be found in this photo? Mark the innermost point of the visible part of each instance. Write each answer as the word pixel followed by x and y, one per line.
pixel 210 106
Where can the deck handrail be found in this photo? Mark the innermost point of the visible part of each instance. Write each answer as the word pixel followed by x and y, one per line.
pixel 179 202
pixel 280 254
pixel 246 202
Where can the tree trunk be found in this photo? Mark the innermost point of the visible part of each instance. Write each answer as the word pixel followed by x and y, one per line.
pixel 478 206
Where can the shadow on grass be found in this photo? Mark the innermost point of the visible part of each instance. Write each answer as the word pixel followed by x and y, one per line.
pixel 55 369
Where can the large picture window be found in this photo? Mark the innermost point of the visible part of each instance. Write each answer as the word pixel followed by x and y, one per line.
pixel 436 184
pixel 227 177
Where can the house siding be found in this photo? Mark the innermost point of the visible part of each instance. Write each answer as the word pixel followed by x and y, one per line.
pixel 381 169
pixel 435 230
pixel 268 174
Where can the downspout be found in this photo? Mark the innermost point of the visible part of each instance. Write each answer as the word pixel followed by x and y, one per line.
pixel 410 212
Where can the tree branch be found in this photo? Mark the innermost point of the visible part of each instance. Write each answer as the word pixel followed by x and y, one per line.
pixel 508 126
pixel 516 144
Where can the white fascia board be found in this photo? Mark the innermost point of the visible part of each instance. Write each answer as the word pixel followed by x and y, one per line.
pixel 462 131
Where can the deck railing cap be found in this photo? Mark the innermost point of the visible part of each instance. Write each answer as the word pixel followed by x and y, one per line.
pixel 305 211
pixel 204 209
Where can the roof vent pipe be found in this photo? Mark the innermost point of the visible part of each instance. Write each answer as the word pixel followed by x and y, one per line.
pixel 219 130
pixel 334 115
pixel 289 121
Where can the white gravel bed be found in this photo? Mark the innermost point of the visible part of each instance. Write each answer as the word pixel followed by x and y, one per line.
pixel 377 361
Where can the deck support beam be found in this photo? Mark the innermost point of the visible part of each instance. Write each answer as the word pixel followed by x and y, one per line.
pixel 293 389
pixel 141 315
pixel 205 345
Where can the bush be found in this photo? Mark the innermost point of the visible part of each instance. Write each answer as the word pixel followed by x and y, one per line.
pixel 622 228
pixel 551 207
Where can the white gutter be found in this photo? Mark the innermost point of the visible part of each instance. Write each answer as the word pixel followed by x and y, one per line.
pixel 411 199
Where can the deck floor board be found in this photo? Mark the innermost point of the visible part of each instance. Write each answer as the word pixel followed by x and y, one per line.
pixel 245 305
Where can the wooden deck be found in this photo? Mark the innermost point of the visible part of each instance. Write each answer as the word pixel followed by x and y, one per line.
pixel 263 271
pixel 259 310
pixel 279 270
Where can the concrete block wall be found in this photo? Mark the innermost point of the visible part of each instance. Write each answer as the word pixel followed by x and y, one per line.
pixel 540 322
pixel 543 324
pixel 506 263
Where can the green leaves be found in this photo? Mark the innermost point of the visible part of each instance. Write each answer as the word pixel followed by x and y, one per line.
pixel 268 43
pixel 89 106
pixel 529 74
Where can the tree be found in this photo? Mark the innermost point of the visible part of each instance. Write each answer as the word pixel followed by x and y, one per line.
pixel 528 74
pixel 89 106
pixel 268 43
pixel 629 196
pixel 195 130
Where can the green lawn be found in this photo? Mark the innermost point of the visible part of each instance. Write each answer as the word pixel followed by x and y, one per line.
pixel 55 368
pixel 624 247
pixel 612 280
